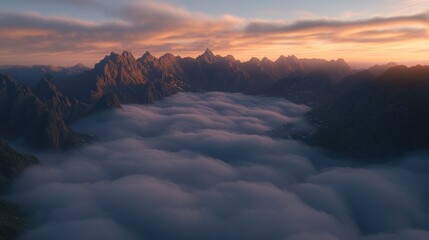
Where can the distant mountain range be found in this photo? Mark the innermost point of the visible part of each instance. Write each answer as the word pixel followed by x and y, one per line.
pixel 149 78
pixel 31 75
pixel 377 111
pixel 381 111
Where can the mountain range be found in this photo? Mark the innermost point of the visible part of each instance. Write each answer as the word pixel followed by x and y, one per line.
pixel 41 112
pixel 148 78
pixel 31 75
pixel 364 114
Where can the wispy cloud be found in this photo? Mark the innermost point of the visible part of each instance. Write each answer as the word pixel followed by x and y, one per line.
pixel 333 24
pixel 161 27
pixel 410 6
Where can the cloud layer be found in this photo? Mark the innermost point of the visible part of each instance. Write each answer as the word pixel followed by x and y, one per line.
pixel 200 166
pixel 161 28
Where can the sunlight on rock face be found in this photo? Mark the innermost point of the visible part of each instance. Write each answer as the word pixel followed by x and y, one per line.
pixel 200 166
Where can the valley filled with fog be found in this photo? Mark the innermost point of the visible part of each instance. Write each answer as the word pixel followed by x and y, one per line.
pixel 203 166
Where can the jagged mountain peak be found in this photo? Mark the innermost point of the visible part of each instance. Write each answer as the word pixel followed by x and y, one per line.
pixel 391 64
pixel 168 56
pixel 208 52
pixel 254 60
pixel 47 80
pixel 266 60
pixel 288 59
pixel 78 67
pixel 46 89
pixel 127 54
pixel 167 59
pixel 230 58
pixel 112 54
pixel 115 58
pixel 147 57
pixel 341 60
pixel 207 56
pixel 378 69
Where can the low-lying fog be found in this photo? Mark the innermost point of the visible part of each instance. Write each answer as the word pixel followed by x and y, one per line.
pixel 200 166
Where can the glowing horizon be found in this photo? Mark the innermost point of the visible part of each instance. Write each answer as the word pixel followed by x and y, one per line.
pixel 88 30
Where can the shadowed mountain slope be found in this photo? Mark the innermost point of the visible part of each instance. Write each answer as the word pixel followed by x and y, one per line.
pixel 387 115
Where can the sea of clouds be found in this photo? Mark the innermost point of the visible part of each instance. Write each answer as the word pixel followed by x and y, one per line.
pixel 202 166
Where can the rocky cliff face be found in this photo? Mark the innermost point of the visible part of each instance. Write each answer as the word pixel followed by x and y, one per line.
pixel 116 73
pixel 127 77
pixel 53 98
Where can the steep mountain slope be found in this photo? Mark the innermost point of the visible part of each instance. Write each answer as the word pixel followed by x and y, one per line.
pixel 118 73
pixel 12 163
pixel 384 116
pixel 24 114
pixel 12 220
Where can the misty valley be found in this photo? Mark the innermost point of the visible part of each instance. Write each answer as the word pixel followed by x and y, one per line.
pixel 212 147
pixel 205 166
pixel 214 120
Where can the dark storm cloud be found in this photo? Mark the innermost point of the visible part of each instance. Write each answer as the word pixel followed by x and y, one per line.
pixel 199 166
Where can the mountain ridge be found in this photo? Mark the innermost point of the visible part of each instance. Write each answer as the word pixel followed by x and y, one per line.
pixel 123 74
pixel 121 78
pixel 384 115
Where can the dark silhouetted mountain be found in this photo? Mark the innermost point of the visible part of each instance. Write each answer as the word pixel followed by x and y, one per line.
pixel 70 110
pixel 311 82
pixel 53 98
pixel 12 164
pixel 384 116
pixel 50 131
pixel 308 88
pixel 107 101
pixel 378 69
pixel 31 75
pixel 19 107
pixel 13 220
pixel 283 67
pixel 24 114
pixel 336 70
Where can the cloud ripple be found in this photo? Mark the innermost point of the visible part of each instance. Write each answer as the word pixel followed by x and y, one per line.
pixel 198 166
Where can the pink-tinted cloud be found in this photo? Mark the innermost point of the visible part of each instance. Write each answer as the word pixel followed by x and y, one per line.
pixel 30 38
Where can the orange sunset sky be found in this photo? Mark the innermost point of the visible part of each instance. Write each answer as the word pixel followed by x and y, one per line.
pixel 66 32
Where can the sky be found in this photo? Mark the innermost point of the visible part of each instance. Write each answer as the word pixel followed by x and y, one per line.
pixel 66 32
